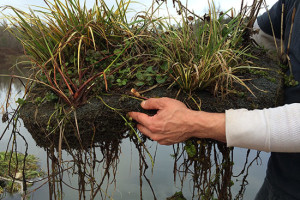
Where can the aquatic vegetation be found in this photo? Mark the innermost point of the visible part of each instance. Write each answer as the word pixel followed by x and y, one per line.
pixel 205 54
pixel 77 51
pixel 74 48
pixel 16 167
pixel 14 162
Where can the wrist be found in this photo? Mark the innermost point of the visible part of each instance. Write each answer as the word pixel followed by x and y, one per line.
pixel 208 125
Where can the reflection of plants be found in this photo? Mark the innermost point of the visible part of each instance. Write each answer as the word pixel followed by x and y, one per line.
pixel 211 168
pixel 2 192
pixel 85 165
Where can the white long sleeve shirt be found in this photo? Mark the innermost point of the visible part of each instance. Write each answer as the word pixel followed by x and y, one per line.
pixel 274 129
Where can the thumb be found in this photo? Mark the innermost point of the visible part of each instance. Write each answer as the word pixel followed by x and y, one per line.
pixel 153 104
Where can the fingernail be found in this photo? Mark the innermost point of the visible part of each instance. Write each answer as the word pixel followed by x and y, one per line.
pixel 143 103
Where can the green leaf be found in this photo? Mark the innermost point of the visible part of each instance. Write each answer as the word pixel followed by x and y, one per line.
pixel 151 82
pixel 20 101
pixel 190 149
pixel 104 51
pixel 149 78
pixel 150 69
pixel 124 82
pixel 111 77
pixel 50 96
pixel 139 83
pixel 160 79
pixel 117 51
pixel 164 66
pixel 38 100
pixel 70 72
pixel 140 76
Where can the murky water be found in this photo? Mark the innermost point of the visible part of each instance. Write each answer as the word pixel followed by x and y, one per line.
pixel 123 162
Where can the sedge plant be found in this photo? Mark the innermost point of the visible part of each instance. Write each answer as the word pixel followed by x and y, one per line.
pixel 60 37
pixel 205 53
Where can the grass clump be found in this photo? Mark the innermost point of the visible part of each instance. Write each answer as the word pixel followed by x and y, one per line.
pixel 205 54
pixel 75 49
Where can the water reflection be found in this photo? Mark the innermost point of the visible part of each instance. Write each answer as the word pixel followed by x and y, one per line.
pixel 9 66
pixel 91 173
pixel 211 170
pixel 120 168
pixel 84 165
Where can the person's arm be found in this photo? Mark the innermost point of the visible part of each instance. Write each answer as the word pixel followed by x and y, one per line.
pixel 175 123
pixel 274 129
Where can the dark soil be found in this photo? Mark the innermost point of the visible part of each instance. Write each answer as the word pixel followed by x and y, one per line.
pixel 98 122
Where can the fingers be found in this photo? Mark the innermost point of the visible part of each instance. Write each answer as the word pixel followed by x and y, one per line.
pixel 141 118
pixel 165 142
pixel 161 139
pixel 145 130
pixel 153 103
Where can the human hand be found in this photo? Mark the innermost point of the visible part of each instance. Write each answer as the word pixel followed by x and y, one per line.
pixel 169 125
pixel 175 123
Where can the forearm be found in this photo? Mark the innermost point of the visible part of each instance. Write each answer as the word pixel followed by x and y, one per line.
pixel 208 125
pixel 275 129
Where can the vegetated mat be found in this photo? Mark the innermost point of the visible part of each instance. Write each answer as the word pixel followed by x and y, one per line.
pixel 97 121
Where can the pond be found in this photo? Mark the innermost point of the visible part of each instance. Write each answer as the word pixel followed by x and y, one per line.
pixel 121 169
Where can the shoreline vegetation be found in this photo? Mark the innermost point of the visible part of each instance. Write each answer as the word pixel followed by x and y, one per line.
pixel 10 46
pixel 8 41
pixel 89 67
pixel 13 166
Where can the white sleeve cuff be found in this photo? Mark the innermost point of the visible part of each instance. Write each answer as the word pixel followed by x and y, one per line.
pixel 274 129
pixel 248 129
pixel 263 39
